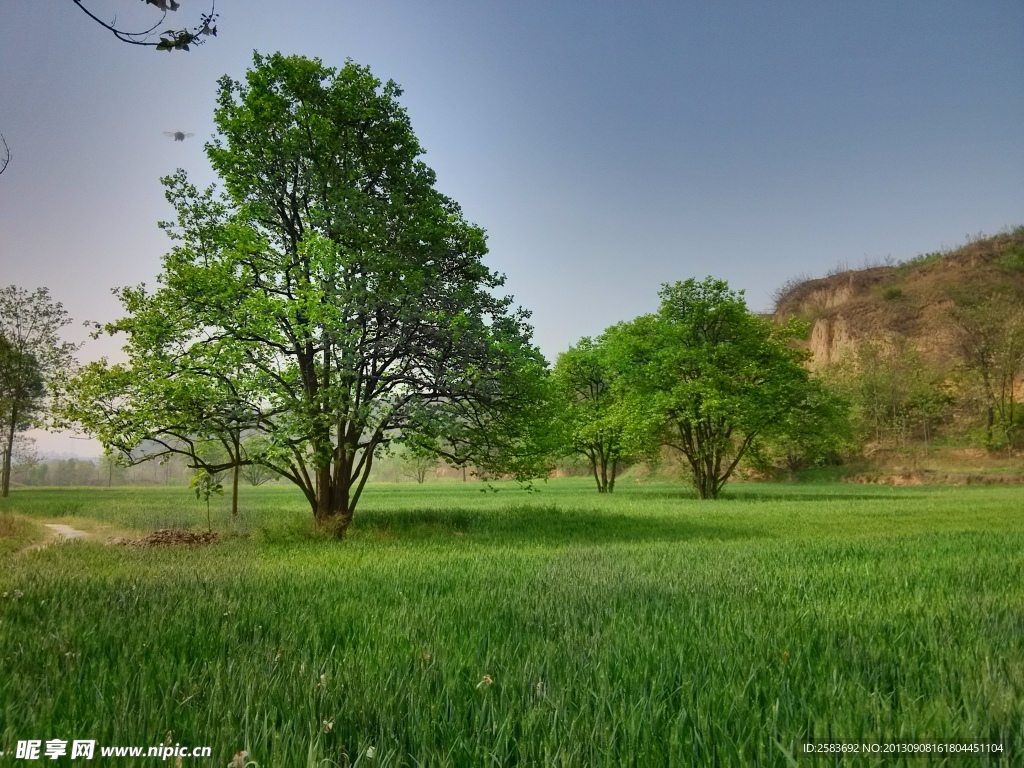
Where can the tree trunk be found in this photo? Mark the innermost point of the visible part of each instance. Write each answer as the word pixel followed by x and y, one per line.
pixel 324 486
pixel 234 491
pixel 594 469
pixel 236 471
pixel 344 508
pixel 333 507
pixel 705 480
pixel 6 483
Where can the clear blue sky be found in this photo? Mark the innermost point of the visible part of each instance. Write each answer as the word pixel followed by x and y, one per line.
pixel 607 147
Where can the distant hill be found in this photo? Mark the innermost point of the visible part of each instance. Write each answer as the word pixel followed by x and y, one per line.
pixel 912 299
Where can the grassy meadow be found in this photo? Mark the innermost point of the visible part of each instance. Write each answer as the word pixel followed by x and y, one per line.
pixel 467 627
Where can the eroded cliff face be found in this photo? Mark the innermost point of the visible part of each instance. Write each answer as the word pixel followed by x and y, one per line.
pixel 910 303
pixel 830 339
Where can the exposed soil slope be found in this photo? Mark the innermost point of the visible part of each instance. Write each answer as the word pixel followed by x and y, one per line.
pixel 911 300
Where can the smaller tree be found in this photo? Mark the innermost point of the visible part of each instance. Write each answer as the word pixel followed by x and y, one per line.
pixel 22 393
pixel 597 421
pixel 416 465
pixel 113 467
pixel 990 337
pixel 816 431
pixel 32 359
pixel 715 377
pixel 254 473
pixel 25 458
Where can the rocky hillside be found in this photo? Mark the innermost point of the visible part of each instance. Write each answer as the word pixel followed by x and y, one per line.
pixel 911 300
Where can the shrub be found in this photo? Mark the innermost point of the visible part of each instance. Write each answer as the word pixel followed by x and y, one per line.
pixel 892 293
pixel 1013 258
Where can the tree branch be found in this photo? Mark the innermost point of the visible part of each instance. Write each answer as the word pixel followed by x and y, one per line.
pixel 169 39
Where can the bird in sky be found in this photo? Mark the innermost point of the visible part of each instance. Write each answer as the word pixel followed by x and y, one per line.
pixel 178 135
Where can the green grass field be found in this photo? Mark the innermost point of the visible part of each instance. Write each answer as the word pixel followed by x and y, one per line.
pixel 469 628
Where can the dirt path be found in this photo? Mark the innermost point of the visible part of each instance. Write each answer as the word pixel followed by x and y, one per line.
pixel 66 532
pixel 59 533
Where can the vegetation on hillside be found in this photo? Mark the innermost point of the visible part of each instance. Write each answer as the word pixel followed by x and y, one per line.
pixel 929 350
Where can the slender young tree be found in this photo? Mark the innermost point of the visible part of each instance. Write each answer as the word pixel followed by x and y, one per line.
pixel 22 393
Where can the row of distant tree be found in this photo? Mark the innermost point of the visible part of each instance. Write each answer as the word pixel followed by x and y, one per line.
pixel 703 376
pixel 31 470
pixel 104 472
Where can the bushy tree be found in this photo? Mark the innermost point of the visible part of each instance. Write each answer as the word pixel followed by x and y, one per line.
pixel 814 432
pixel 331 300
pixel 416 465
pixel 714 376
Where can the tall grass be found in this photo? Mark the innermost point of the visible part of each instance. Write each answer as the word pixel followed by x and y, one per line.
pixel 456 627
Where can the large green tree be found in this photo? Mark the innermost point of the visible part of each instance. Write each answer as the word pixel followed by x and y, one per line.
pixel 342 296
pixel 716 377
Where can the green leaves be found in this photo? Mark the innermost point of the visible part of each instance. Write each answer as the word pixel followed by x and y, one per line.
pixel 206 485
